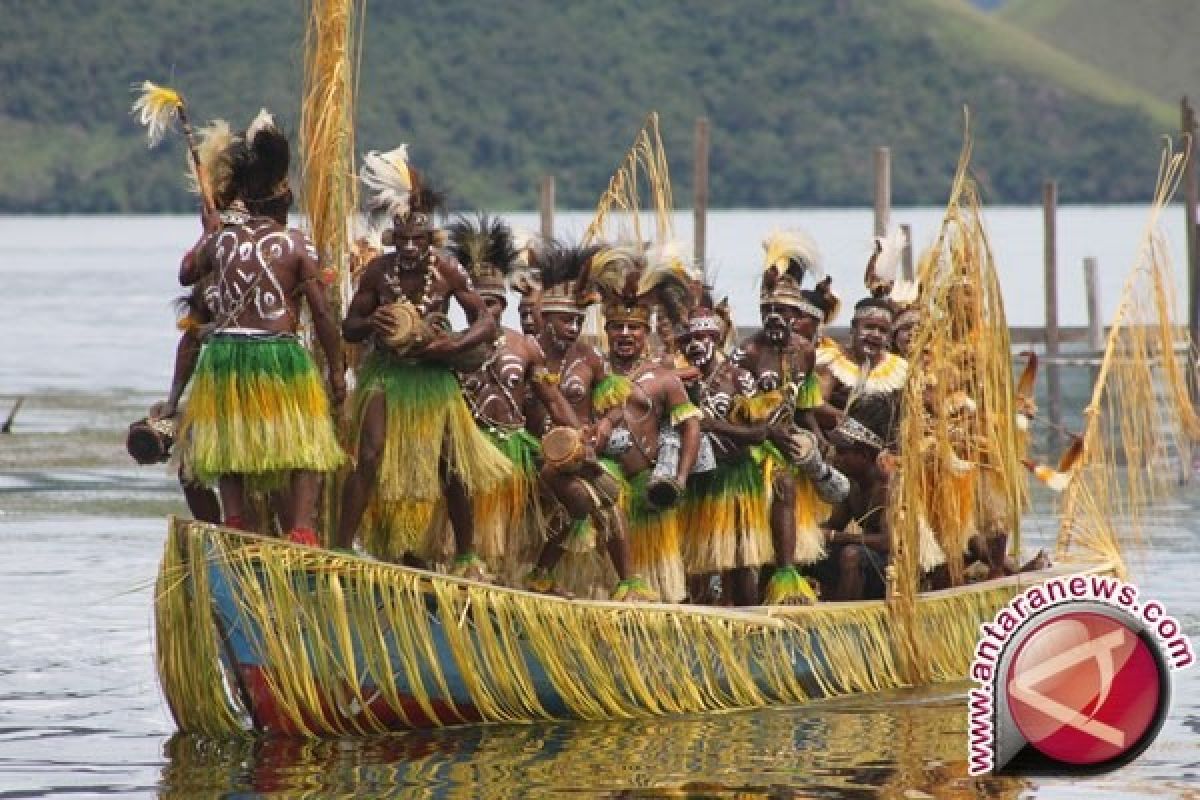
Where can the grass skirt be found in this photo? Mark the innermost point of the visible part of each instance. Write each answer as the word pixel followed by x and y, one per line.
pixel 257 407
pixel 654 546
pixel 427 419
pixel 508 520
pixel 725 520
pixel 810 510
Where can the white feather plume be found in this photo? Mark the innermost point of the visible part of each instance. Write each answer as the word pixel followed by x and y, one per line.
pixel 792 245
pixel 156 108
pixel 904 292
pixel 929 552
pixel 525 242
pixel 891 251
pixel 388 178
pixel 261 122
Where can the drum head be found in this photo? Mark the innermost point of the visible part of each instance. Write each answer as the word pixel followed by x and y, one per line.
pixel 562 446
pixel 405 320
pixel 803 444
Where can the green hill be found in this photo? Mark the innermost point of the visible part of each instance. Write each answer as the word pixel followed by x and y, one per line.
pixel 1150 43
pixel 492 95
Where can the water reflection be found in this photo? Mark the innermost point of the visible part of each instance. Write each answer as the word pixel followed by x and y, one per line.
pixel 901 745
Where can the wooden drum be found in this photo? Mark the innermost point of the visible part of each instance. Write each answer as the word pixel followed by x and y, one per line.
pixel 563 449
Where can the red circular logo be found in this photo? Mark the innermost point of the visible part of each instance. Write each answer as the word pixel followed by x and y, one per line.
pixel 1083 688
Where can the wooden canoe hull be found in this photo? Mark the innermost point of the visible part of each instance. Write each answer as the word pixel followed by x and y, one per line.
pixel 316 644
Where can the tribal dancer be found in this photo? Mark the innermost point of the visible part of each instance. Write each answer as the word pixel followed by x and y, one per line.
pixel 257 414
pixel 725 509
pixel 782 362
pixel 869 367
pixel 417 443
pixel 650 431
pixel 508 519
pixel 583 498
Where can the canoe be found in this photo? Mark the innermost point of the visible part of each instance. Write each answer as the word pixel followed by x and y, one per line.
pixel 258 634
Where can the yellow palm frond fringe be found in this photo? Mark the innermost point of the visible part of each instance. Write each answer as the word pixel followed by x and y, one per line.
pixel 1141 423
pixel 961 349
pixel 306 602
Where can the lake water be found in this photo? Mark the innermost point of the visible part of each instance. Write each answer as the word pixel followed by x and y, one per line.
pixel 86 336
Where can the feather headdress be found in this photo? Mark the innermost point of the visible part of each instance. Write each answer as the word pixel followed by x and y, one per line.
pixel 1059 478
pixel 667 278
pixel 564 273
pixel 399 194
pixel 214 143
pixel 260 159
pixel 792 253
pixel 156 108
pixel 390 180
pixel 484 246
pixel 486 240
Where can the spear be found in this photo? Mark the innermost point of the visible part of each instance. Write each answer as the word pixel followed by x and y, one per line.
pixel 156 107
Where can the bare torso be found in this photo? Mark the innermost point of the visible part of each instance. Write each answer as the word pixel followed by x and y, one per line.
pixel 655 390
pixel 499 392
pixel 578 370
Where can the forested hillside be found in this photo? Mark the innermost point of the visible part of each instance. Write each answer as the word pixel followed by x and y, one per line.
pixel 1151 44
pixel 492 95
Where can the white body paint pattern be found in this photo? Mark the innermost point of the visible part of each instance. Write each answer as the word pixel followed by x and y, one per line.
pixel 244 271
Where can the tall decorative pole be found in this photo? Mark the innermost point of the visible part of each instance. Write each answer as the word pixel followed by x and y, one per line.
pixel 329 194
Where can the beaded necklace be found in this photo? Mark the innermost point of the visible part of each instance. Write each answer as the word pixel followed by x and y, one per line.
pixel 393 279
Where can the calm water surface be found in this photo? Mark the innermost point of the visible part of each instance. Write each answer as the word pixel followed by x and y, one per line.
pixel 85 336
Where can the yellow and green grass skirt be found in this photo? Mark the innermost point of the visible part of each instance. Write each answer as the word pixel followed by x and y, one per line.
pixel 257 408
pixel 810 510
pixel 427 420
pixel 725 519
pixel 508 519
pixel 655 550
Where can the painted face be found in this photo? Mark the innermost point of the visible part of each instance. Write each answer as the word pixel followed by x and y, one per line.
pixel 777 322
pixel 495 306
pixel 806 325
pixel 412 249
pixel 870 335
pixel 699 349
pixel 902 335
pixel 563 327
pixel 530 323
pixel 627 339
pixel 662 327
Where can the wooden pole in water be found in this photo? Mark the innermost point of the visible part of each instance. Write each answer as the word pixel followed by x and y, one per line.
pixel 546 204
pixel 700 192
pixel 1190 194
pixel 1050 255
pixel 906 263
pixel 883 189
pixel 1095 323
pixel 1091 285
